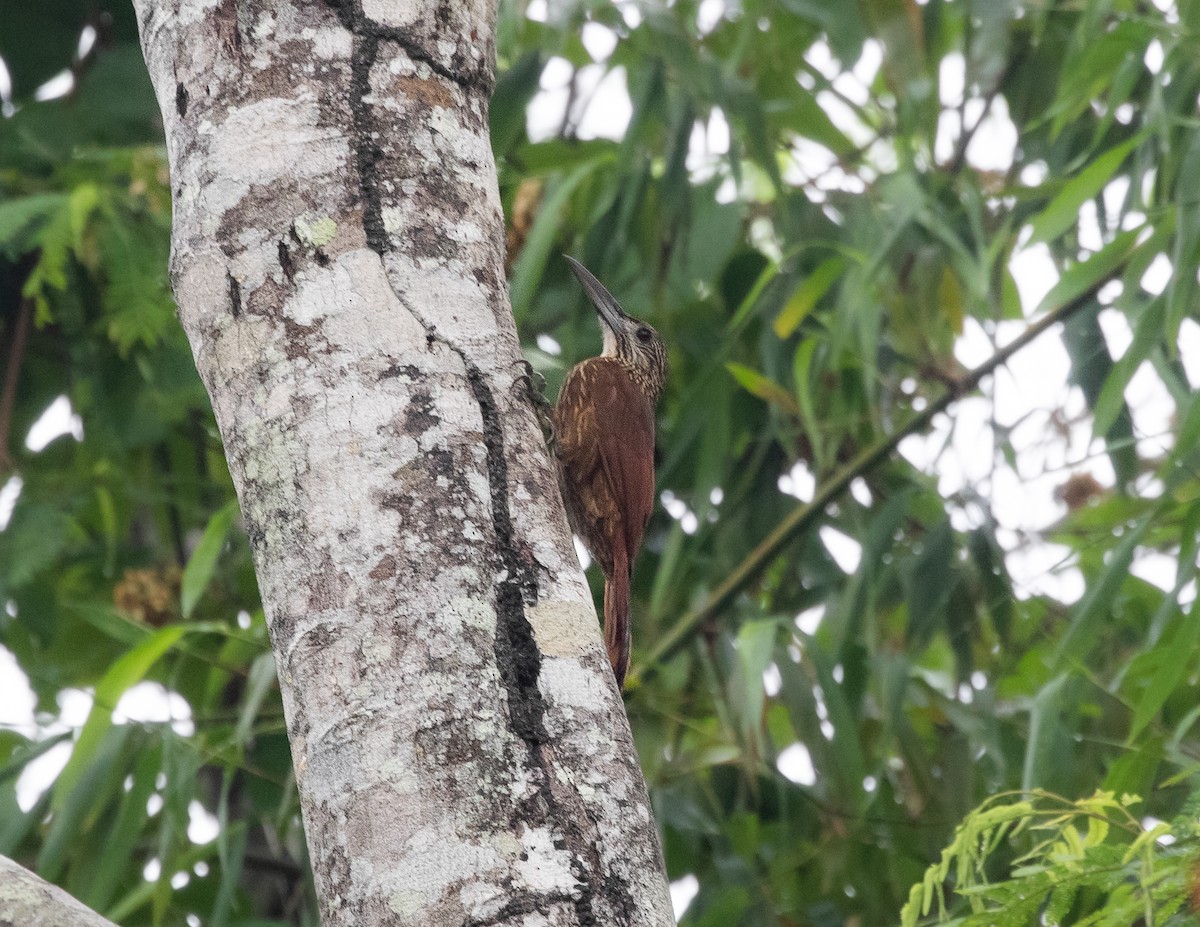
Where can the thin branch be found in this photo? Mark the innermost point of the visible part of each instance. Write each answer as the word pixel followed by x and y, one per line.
pixel 959 160
pixel 567 129
pixel 799 519
pixel 12 374
pixel 966 135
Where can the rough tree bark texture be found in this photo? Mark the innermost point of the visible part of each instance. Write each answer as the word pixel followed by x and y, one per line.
pixel 27 900
pixel 461 753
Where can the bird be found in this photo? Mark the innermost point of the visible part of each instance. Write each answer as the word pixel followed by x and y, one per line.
pixel 603 444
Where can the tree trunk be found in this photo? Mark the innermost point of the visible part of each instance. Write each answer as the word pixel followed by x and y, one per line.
pixel 461 752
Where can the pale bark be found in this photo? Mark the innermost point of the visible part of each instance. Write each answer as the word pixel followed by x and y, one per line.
pixel 27 900
pixel 461 752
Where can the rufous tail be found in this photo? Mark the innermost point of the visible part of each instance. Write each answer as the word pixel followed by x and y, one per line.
pixel 617 632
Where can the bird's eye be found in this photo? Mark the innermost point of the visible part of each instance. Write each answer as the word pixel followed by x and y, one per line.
pixel 643 334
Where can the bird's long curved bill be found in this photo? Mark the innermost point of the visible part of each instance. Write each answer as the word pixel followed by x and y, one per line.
pixel 606 304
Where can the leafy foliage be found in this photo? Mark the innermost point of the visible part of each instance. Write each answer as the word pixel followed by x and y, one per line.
pixel 828 210
pixel 1091 863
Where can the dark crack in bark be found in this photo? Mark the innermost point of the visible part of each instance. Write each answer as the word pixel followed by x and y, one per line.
pixel 366 152
pixel 517 654
pixel 518 658
pixel 367 35
pixel 351 14
pixel 235 296
pixel 286 263
pixel 518 907
pixel 519 661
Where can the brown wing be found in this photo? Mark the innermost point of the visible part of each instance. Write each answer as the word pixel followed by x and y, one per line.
pixel 604 435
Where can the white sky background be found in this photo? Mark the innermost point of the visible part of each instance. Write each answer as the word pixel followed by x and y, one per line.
pixel 1054 435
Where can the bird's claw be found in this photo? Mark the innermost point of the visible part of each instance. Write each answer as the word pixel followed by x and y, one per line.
pixel 535 390
pixel 534 381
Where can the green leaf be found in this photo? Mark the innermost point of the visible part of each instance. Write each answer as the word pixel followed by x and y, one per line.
pixel 1091 367
pixel 515 87
pixel 930 581
pixel 125 831
pixel 743 104
pixel 1112 396
pixel 1077 642
pixel 1063 211
pixel 1134 772
pixel 144 891
pixel 763 387
pixel 808 119
pixel 259 682
pixel 1090 70
pixel 1179 654
pixel 997 586
pixel 950 299
pixel 129 669
pixel 668 563
pixel 1181 291
pixel 16 764
pixel 110 622
pixel 807 294
pixel 755 645
pixel 726 907
pixel 16 826
pixel 199 569
pixel 1046 732
pixel 137 300
pixel 1144 839
pixel 531 265
pixel 35 537
pixel 1186 441
pixel 231 852
pixel 56 240
pixel 114 102
pixel 20 217
pixel 802 374
pixel 75 797
pixel 1086 274
pixel 750 301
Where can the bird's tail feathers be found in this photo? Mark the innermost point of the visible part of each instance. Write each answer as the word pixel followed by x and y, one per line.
pixel 618 634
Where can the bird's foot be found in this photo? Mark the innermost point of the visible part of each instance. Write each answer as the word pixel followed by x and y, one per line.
pixel 533 381
pixel 535 390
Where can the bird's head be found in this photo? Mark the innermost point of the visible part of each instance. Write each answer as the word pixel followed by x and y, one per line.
pixel 631 341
